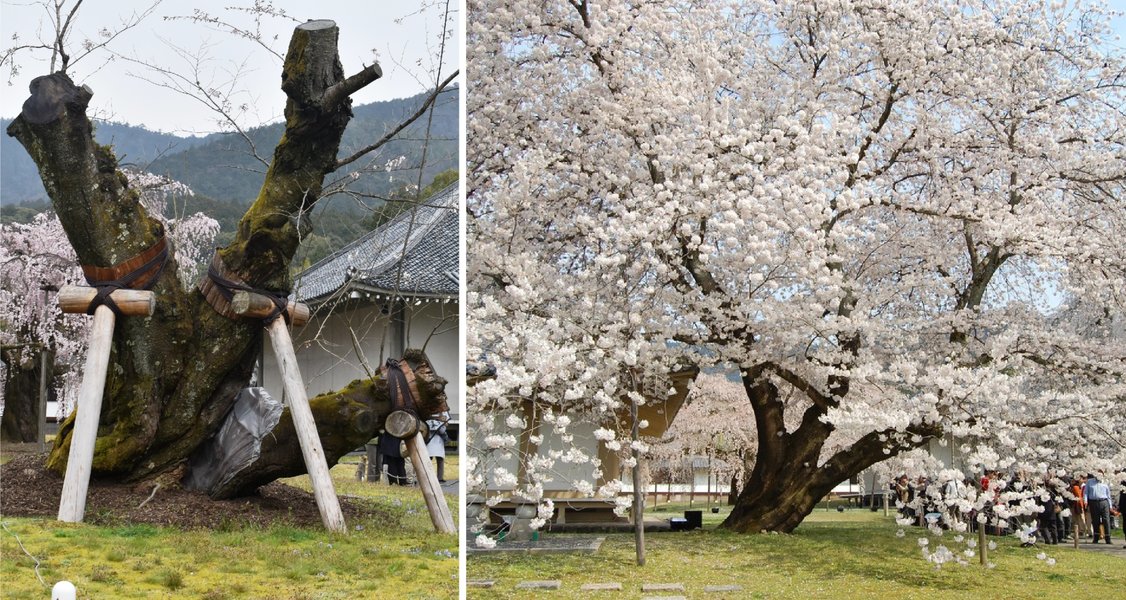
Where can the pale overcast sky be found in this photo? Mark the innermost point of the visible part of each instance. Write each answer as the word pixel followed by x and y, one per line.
pixel 403 33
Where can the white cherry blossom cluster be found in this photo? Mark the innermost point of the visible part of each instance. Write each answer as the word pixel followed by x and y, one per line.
pixel 192 236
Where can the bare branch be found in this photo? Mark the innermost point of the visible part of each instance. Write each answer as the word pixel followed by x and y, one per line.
pixel 351 85
pixel 193 87
pixel 411 119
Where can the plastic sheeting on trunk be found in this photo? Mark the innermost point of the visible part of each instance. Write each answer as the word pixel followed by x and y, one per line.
pixel 237 444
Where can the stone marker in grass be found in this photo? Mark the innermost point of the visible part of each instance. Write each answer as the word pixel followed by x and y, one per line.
pixel 552 584
pixel 480 583
pixel 602 587
pixel 662 587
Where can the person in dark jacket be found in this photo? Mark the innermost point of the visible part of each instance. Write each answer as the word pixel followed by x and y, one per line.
pixel 1122 507
pixel 1048 519
pixel 393 458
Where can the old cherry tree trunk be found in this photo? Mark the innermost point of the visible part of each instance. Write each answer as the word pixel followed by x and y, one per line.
pixel 174 376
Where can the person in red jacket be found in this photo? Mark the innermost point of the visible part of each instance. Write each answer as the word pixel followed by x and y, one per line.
pixel 1079 509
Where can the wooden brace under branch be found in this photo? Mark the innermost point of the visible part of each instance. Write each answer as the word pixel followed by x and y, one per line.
pixel 77 299
pixel 249 304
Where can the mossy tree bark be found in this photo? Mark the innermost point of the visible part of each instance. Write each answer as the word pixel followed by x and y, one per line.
pixel 173 377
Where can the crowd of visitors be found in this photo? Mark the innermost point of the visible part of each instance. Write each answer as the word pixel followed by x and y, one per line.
pixel 1060 508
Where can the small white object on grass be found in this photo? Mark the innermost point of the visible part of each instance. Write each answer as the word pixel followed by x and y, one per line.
pixel 64 590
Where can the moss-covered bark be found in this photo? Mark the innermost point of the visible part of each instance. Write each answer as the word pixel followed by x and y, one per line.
pixel 345 419
pixel 174 376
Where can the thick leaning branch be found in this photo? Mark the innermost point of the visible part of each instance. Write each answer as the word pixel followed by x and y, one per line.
pixel 345 421
pixel 106 224
pixel 91 197
pixel 269 233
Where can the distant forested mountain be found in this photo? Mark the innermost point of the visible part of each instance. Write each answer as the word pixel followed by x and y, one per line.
pixel 221 168
pixel 19 179
pixel 226 177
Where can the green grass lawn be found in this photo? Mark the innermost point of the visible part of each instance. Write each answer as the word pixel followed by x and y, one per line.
pixel 396 556
pixel 854 554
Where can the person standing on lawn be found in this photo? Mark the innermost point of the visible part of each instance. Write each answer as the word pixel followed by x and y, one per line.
pixel 389 447
pixel 1122 506
pixel 1047 522
pixel 1079 508
pixel 436 445
pixel 1098 499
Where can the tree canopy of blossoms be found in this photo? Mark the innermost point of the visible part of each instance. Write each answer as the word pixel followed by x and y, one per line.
pixel 897 219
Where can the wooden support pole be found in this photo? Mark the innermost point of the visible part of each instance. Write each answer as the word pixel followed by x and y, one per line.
pixel 428 482
pixel 41 413
pixel 248 304
pixel 72 504
pixel 323 490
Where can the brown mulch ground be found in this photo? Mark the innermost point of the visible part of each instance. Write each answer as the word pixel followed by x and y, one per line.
pixel 29 490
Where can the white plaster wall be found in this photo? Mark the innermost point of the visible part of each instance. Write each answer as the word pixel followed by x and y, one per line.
pixel 434 327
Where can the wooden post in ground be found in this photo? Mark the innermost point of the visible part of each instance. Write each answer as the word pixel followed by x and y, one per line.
pixel 75 299
pixel 428 482
pixel 41 416
pixel 982 549
pixel 1075 538
pixel 249 304
pixel 638 502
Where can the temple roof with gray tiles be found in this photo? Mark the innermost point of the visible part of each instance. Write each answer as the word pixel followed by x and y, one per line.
pixel 414 254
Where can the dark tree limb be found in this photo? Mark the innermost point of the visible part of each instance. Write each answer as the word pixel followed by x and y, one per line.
pixel 350 86
pixel 345 419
